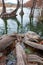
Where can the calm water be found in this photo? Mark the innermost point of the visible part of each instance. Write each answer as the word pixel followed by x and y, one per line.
pixel 22 24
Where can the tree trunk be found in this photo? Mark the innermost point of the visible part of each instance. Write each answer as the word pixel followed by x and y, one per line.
pixel 4 8
pixel 34 45
pixel 5 41
pixel 21 56
pixel 32 9
pixel 18 5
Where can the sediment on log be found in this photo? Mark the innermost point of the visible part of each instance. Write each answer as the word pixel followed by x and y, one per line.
pixel 20 54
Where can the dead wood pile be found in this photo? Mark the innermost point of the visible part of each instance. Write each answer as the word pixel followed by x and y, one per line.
pixel 10 42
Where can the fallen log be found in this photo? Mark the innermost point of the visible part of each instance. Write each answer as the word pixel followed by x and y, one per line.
pixel 31 35
pixel 5 41
pixel 9 49
pixel 34 45
pixel 21 56
pixel 35 58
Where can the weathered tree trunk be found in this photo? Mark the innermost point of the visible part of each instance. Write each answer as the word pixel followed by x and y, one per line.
pixel 4 8
pixel 5 41
pixel 18 5
pixel 32 9
pixel 34 58
pixel 34 45
pixel 9 49
pixel 21 12
pixel 9 15
pixel 21 56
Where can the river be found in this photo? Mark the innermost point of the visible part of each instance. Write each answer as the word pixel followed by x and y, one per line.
pixel 21 24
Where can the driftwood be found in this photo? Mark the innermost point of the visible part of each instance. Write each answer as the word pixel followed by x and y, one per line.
pixel 8 43
pixel 21 56
pixel 5 41
pixel 31 35
pixel 8 49
pixel 34 45
pixel 34 58
pixel 30 59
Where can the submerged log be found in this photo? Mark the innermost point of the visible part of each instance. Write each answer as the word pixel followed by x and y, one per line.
pixel 21 56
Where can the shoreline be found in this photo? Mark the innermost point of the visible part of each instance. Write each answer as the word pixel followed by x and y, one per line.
pixel 8 5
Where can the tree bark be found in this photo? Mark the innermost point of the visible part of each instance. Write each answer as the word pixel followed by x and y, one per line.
pixel 21 56
pixel 4 7
pixel 34 58
pixel 34 45
pixel 32 9
pixel 5 41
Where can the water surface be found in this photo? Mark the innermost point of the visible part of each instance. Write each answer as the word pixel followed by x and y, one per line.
pixel 21 24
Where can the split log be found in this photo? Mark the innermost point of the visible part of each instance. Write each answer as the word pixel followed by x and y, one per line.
pixel 34 45
pixel 5 41
pixel 21 56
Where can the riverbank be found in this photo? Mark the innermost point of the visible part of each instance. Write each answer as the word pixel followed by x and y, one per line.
pixel 8 5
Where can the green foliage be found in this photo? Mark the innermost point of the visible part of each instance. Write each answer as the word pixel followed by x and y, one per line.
pixel 27 50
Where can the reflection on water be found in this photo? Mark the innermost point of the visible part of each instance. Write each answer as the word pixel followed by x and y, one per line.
pixel 21 24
